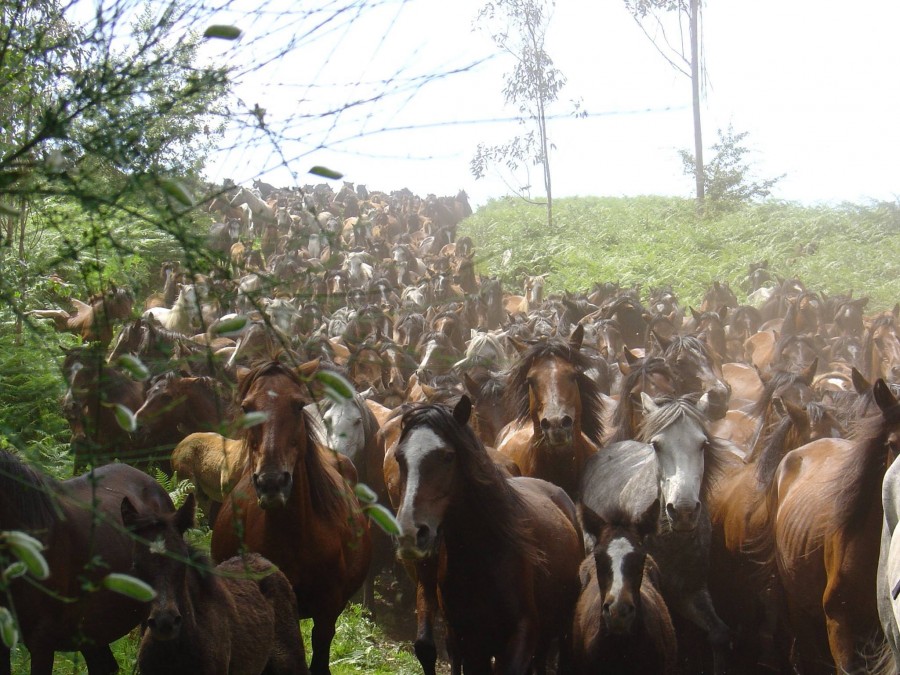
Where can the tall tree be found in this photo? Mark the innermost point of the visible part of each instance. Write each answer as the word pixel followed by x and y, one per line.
pixel 519 28
pixel 651 16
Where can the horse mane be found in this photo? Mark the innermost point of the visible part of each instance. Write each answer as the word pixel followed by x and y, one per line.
pixel 772 453
pixel 672 410
pixel 483 484
pixel 862 476
pixel 650 365
pixel 589 390
pixel 327 497
pixel 780 379
pixel 26 496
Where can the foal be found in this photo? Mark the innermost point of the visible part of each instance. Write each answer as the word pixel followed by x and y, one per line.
pixel 238 618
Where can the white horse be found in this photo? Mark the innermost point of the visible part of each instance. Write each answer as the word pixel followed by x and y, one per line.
pixel 258 207
pixel 184 315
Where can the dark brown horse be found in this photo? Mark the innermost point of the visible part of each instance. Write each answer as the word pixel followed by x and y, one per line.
pixel 622 624
pixel 237 617
pixel 651 376
pixel 293 506
pixel 177 406
pixel 506 550
pixel 90 406
pixel 79 523
pixel 549 388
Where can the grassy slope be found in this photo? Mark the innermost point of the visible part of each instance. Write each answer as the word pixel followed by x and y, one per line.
pixel 658 240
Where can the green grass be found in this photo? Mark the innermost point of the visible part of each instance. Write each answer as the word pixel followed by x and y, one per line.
pixel 656 241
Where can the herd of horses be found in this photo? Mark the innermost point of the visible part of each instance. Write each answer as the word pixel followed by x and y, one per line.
pixel 593 482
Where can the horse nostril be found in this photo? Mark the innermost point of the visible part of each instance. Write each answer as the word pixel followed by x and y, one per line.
pixel 567 422
pixel 606 608
pixel 545 423
pixel 151 622
pixel 284 479
pixel 422 535
pixel 176 621
pixel 670 511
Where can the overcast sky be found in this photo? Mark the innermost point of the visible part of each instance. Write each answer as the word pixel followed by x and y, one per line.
pixel 815 84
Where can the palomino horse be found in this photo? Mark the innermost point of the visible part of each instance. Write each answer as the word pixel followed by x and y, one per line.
pixel 549 388
pixel 237 617
pixel 825 517
pixel 214 464
pixel 80 525
pixel 293 506
pixel 622 624
pixel 507 550
pixel 89 405
pixel 676 461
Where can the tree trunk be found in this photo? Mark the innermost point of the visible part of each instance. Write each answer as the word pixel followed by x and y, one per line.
pixel 699 173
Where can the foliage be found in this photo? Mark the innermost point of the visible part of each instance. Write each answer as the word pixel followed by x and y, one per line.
pixel 728 176
pixel 518 27
pixel 655 241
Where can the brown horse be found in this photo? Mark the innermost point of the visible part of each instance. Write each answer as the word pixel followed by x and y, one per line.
pixel 293 506
pixel 548 386
pixel 80 525
pixel 237 617
pixel 176 406
pixel 89 405
pixel 881 348
pixel 506 550
pixel 93 320
pixel 621 622
pixel 651 376
pixel 823 536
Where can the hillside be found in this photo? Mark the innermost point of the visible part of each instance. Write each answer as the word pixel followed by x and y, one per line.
pixel 658 240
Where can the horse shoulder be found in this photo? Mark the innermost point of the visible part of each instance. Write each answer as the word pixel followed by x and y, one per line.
pixel 517 445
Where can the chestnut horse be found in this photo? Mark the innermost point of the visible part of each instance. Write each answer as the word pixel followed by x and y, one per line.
pixel 239 617
pixel 881 348
pixel 79 523
pixel 825 522
pixel 293 506
pixel 549 387
pixel 507 550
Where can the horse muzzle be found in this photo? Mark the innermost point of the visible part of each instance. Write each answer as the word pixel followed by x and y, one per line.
pixel 164 625
pixel 272 489
pixel 418 545
pixel 619 617
pixel 684 516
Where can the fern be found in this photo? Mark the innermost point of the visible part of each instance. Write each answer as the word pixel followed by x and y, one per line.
pixel 178 489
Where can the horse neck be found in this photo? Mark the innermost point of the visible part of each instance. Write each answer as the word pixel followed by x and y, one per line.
pixel 473 520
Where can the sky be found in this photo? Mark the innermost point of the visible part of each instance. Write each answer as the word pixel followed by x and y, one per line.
pixel 814 84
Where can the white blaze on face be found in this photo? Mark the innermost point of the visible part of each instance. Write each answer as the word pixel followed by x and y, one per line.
pixel 679 450
pixel 416 447
pixel 344 429
pixel 617 550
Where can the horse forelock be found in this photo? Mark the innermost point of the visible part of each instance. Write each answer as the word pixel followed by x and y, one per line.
pixel 589 391
pixel 484 484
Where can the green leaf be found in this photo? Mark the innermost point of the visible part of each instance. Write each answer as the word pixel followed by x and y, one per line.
pixel 252 419
pixel 337 388
pixel 222 32
pixel 365 494
pixel 28 549
pixel 129 586
pixel 229 327
pixel 325 172
pixel 125 418
pixel 15 570
pixel 9 632
pixel 383 518
pixel 177 191
pixel 134 366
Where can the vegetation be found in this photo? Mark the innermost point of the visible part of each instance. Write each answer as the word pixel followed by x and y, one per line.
pixel 654 241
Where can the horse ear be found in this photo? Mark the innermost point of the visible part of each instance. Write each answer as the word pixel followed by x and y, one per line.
pixel 797 414
pixel 808 373
pixel 723 312
pixel 647 403
pixel 520 346
pixel 695 314
pixel 591 521
pixel 778 404
pixel 663 342
pixel 184 517
pixel 577 337
pixel 463 410
pixel 884 397
pixel 305 370
pixel 860 383
pixel 129 513
pixel 649 521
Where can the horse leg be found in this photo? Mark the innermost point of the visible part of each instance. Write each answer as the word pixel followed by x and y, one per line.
pixel 322 635
pixel 698 608
pixel 5 666
pixel 426 603
pixel 100 660
pixel 42 662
